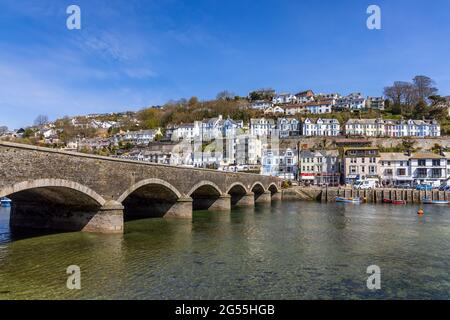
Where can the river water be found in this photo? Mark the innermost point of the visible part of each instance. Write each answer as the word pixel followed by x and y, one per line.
pixel 290 250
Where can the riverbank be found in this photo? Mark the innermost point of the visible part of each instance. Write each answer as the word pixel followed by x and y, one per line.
pixel 371 196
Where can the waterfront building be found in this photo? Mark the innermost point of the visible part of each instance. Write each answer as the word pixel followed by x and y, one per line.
pixel 447 157
pixel 280 163
pixel 319 167
pixel 354 101
pixel 262 127
pixel 288 127
pixel 248 150
pixel 358 163
pixel 321 127
pixel 428 168
pixel 394 169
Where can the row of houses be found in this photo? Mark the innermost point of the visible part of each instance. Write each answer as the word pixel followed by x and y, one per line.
pixel 288 126
pixel 349 165
pixel 308 102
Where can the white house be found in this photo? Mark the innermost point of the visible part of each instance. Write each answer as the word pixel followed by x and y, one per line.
pixel 185 131
pixel 275 110
pixel 260 105
pixel 319 167
pixel 428 168
pixel 319 107
pixel 321 127
pixel 394 169
pixel 294 109
pixel 377 103
pixel 288 127
pixel 280 163
pixel 354 101
pixel 142 137
pixel 393 128
pixel 284 98
pixel 262 127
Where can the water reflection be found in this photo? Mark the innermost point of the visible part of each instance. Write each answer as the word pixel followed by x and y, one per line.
pixel 290 250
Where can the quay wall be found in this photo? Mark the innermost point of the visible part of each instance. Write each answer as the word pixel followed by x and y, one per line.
pixel 371 196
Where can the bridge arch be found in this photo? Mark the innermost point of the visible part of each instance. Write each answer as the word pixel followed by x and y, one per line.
pixel 150 198
pixel 273 188
pixel 257 188
pixel 237 187
pixel 145 182
pixel 53 204
pixel 240 195
pixel 51 183
pixel 205 195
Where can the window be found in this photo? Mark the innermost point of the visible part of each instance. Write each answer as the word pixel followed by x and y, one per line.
pixel 436 173
pixel 401 172
pixel 353 169
pixel 436 163
pixel 422 163
pixel 372 169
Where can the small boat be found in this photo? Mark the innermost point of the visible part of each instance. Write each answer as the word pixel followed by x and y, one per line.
pixel 429 201
pixel 395 202
pixel 348 200
pixel 5 202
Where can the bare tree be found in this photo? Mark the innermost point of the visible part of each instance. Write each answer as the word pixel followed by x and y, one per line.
pixel 41 120
pixel 424 87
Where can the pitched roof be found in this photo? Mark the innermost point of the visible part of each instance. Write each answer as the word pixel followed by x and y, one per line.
pixel 426 155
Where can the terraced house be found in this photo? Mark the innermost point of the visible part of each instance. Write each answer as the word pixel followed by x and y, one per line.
pixel 321 127
pixel 392 128
pixel 359 163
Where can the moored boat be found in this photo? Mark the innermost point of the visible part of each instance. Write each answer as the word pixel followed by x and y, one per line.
pixel 348 200
pixel 395 202
pixel 429 201
pixel 5 202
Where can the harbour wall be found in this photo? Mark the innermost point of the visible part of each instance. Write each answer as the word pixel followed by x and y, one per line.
pixel 371 196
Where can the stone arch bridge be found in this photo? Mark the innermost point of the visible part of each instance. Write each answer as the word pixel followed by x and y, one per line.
pixel 62 190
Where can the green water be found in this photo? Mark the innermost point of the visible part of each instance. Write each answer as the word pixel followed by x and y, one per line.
pixel 290 250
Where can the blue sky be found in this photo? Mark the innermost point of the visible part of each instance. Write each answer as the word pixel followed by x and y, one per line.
pixel 131 54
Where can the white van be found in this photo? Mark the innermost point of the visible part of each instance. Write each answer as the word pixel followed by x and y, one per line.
pixel 367 184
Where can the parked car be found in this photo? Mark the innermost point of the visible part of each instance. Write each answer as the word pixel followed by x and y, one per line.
pixel 444 187
pixel 424 187
pixel 403 186
pixel 367 184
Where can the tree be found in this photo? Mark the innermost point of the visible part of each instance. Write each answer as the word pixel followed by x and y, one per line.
pixel 225 95
pixel 41 120
pixel 420 110
pixel 408 144
pixel 262 94
pixel 424 87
